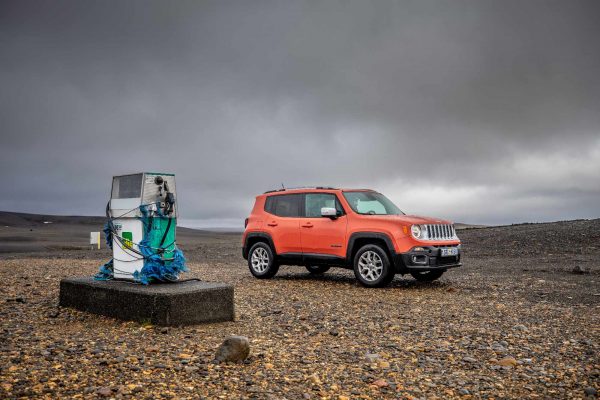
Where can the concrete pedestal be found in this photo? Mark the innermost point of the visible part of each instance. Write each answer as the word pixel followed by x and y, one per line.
pixel 163 304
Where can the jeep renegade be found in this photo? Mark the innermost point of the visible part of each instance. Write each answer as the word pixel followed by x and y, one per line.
pixel 319 228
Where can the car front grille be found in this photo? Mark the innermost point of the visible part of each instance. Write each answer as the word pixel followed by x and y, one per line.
pixel 440 232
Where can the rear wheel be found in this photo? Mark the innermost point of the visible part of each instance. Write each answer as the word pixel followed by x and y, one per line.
pixel 427 276
pixel 261 261
pixel 317 269
pixel 372 266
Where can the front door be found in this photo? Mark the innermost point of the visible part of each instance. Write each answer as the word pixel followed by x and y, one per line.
pixel 321 235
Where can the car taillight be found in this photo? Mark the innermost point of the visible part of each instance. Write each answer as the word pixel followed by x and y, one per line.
pixel 245 223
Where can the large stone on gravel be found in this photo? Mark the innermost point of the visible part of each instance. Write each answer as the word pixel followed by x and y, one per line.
pixel 164 304
pixel 579 270
pixel 233 349
pixel 372 358
pixel 507 362
pixel 590 392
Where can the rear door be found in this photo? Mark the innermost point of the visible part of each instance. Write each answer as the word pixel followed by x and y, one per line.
pixel 282 222
pixel 321 235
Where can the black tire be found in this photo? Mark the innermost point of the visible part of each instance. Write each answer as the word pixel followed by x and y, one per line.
pixel 427 276
pixel 261 261
pixel 375 255
pixel 317 269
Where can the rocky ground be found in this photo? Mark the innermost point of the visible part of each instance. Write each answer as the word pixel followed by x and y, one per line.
pixel 514 322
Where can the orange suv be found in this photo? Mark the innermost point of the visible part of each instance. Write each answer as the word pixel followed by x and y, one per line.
pixel 361 230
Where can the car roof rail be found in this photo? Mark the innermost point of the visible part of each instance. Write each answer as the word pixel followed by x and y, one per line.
pixel 274 190
pixel 301 187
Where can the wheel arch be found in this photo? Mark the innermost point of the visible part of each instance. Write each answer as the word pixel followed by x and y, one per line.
pixel 255 237
pixel 359 239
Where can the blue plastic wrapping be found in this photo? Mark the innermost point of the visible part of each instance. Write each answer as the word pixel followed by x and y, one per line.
pixel 106 272
pixel 108 236
pixel 155 267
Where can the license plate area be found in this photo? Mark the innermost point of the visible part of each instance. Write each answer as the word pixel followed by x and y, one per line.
pixel 448 251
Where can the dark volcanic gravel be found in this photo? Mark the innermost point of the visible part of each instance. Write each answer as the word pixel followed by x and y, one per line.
pixel 514 322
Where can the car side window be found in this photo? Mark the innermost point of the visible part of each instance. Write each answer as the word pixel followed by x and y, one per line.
pixel 287 205
pixel 315 201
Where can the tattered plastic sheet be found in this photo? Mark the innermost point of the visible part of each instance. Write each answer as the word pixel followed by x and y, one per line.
pixel 156 267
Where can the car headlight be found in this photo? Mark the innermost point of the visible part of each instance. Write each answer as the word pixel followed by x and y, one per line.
pixel 417 231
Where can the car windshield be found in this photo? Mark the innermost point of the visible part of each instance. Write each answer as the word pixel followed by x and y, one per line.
pixel 371 203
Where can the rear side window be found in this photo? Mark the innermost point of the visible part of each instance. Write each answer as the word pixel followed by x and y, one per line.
pixel 287 205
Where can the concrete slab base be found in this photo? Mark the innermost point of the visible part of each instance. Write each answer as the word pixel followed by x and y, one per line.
pixel 163 304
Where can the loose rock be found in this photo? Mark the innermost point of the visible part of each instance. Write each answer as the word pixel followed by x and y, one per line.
pixel 104 391
pixel 579 270
pixel 380 383
pixel 507 362
pixel 372 357
pixel 233 349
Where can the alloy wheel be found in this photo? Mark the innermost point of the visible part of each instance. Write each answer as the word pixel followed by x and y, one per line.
pixel 370 266
pixel 260 260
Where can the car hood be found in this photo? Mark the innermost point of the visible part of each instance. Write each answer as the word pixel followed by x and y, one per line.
pixel 414 219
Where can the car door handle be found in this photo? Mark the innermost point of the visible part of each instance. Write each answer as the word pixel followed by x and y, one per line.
pixel 307 225
pixel 272 223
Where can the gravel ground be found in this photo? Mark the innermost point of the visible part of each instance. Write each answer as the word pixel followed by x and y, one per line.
pixel 514 322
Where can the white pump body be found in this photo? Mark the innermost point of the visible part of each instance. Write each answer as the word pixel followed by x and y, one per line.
pixel 128 193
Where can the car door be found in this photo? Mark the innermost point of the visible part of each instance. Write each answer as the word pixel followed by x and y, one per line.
pixel 322 236
pixel 282 222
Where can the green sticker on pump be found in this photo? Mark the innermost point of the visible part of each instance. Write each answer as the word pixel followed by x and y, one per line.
pixel 128 239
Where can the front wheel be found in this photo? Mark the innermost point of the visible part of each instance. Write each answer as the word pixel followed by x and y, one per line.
pixel 427 276
pixel 372 266
pixel 261 261
pixel 317 269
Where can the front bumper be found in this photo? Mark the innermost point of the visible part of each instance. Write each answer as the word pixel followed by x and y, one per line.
pixel 427 259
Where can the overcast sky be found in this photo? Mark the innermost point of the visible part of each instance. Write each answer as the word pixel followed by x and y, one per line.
pixel 477 111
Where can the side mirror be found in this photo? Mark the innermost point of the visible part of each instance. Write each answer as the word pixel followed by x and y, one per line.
pixel 329 212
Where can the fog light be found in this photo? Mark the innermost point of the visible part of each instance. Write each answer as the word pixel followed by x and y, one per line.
pixel 418 249
pixel 419 259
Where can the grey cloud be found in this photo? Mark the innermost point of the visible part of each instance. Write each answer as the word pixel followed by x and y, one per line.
pixel 237 97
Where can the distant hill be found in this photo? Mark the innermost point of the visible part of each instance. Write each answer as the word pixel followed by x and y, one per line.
pixel 22 232
pixel 13 219
pixel 25 220
pixel 459 225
